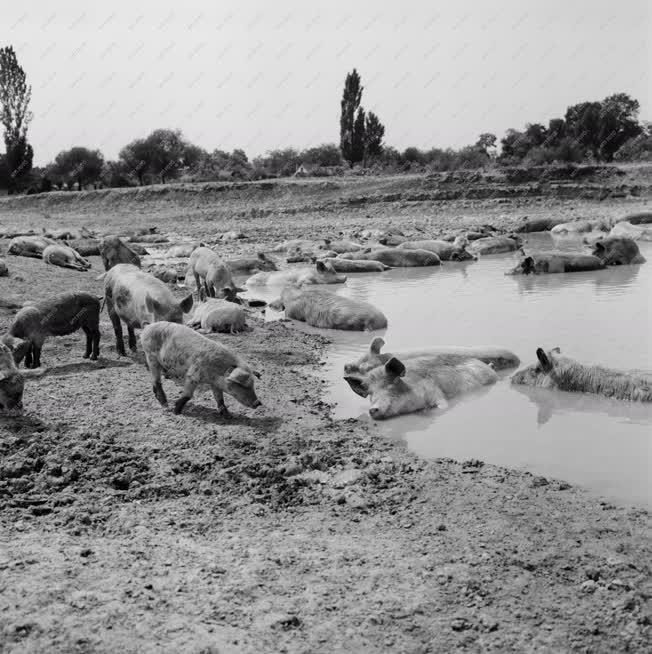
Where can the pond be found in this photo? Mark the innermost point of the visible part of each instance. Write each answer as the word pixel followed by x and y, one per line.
pixel 600 317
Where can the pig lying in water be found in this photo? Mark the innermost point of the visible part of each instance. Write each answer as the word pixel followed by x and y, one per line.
pixel 219 316
pixel 618 251
pixel 321 273
pixel 446 251
pixel 580 227
pixel 640 232
pixel 12 382
pixel 340 246
pixel 57 316
pixel 321 308
pixel 557 372
pixel 180 353
pixel 542 224
pixel 65 257
pixel 556 262
pixel 354 266
pixel 249 265
pixel 498 357
pixel 397 388
pixel 495 244
pixel 394 257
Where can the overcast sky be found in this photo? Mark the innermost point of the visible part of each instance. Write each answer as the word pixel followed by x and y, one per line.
pixel 268 74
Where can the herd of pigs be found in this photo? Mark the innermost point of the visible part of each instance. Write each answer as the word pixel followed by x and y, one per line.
pixel 137 292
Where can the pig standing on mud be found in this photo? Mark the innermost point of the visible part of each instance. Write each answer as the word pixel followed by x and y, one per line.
pixel 58 316
pixel 556 262
pixel 557 372
pixel 321 308
pixel 208 268
pixel 397 388
pixel 180 353
pixel 65 257
pixel 321 273
pixel 114 250
pixel 12 382
pixel 498 357
pixel 138 299
pixel 618 251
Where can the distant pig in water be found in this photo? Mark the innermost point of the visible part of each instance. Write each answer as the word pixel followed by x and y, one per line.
pixel 498 357
pixel 561 373
pixel 397 388
pixel 618 251
pixel 321 308
pixel 12 382
pixel 321 273
pixel 496 244
pixel 249 265
pixel 139 299
pixel 394 257
pixel 65 257
pixel 556 262
pixel 182 354
pixel 355 266
pixel 57 316
pixel 446 251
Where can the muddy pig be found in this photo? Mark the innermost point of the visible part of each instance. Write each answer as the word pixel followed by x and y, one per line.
pixel 183 354
pixel 114 250
pixel 561 373
pixel 618 251
pixel 353 266
pixel 219 316
pixel 556 262
pixel 207 267
pixel 65 257
pixel 321 273
pixel 57 316
pixel 249 265
pixel 12 382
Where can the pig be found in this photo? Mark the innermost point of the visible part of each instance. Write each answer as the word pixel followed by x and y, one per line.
pixel 498 357
pixel 556 262
pixel 640 218
pixel 182 251
pixel 540 224
pixel 340 246
pixel 299 256
pixel 60 315
pixel 395 257
pixel 148 238
pixel 183 354
pixel 495 244
pixel 618 251
pixel 232 236
pixel 29 246
pixel 219 316
pixel 249 265
pixel 87 247
pixel 353 266
pixel 65 257
pixel 207 266
pixel 580 227
pixel 392 240
pixel 12 382
pixel 4 271
pixel 639 232
pixel 293 244
pixel 561 373
pixel 321 273
pixel 67 234
pixel 114 250
pixel 166 273
pixel 396 388
pixel 140 250
pixel 139 299
pixel 321 308
pixel 446 251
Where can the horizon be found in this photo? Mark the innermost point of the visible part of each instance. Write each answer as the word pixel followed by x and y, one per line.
pixel 232 80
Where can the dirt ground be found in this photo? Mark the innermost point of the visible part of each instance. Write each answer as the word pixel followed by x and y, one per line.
pixel 126 528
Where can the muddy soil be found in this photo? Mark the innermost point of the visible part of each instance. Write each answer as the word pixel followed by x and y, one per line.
pixel 126 528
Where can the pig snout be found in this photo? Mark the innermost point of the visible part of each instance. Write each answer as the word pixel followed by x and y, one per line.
pixel 377 413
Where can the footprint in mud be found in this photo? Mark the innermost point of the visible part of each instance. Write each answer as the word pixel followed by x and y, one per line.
pixel 88 366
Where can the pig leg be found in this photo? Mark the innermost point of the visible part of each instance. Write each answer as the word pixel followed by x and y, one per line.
pixel 198 284
pixel 36 355
pixel 221 407
pixel 188 391
pixel 96 344
pixel 132 338
pixel 28 357
pixel 117 327
pixel 89 341
pixel 157 387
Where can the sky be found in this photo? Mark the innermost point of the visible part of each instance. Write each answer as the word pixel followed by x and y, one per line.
pixel 260 75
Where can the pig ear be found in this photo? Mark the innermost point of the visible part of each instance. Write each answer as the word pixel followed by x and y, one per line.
pixel 543 359
pixel 277 305
pixel 256 374
pixel 395 368
pixel 152 305
pixel 186 303
pixel 321 266
pixel 556 350
pixel 598 246
pixel 261 256
pixel 376 345
pixel 241 377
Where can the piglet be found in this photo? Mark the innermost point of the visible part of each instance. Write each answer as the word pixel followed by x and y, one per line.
pixel 183 354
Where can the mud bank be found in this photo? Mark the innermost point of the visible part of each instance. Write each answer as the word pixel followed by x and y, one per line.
pixel 125 527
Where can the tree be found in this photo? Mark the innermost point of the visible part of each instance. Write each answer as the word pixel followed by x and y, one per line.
pixel 136 158
pixel 583 124
pixel 536 134
pixel 166 149
pixel 486 141
pixel 358 140
pixel 327 154
pixel 79 164
pixel 374 131
pixel 556 132
pixel 15 116
pixel 350 103
pixel 618 124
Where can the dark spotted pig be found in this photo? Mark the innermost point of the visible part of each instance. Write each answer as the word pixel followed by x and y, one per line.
pixel 114 250
pixel 557 372
pixel 556 262
pixel 57 316
pixel 180 353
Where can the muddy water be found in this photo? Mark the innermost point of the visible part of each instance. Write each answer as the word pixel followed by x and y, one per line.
pixel 600 317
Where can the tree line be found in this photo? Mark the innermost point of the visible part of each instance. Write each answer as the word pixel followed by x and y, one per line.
pixel 604 130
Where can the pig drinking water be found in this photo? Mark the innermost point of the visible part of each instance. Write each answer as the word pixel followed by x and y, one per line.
pixel 321 308
pixel 57 316
pixel 321 273
pixel 180 353
pixel 12 382
pixel 207 267
pixel 397 388
pixel 139 299
pixel 558 372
